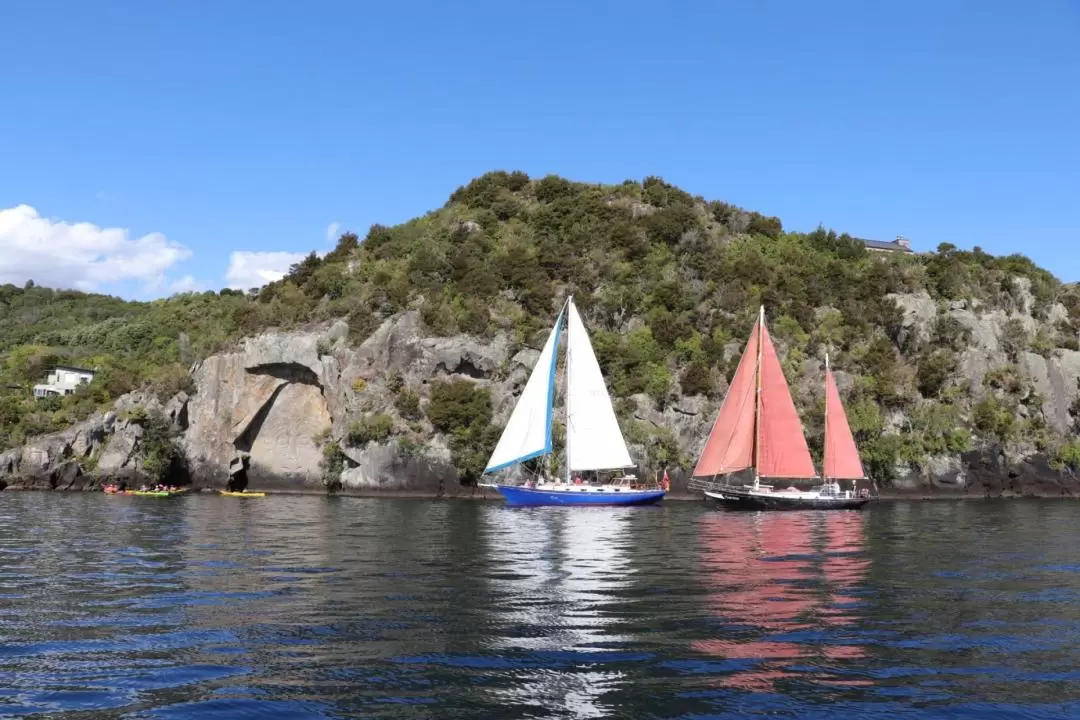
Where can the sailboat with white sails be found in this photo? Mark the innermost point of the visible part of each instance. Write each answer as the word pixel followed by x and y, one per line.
pixel 594 441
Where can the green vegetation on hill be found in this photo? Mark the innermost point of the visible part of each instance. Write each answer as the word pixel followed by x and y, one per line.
pixel 669 284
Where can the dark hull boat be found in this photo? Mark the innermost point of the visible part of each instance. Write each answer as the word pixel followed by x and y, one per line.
pixel 737 499
pixel 758 427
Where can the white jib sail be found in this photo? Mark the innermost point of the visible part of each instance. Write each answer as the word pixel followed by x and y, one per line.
pixel 594 439
pixel 528 431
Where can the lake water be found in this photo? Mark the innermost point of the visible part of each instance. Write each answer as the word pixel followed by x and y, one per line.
pixel 296 607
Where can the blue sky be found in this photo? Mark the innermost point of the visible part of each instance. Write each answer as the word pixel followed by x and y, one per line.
pixel 236 126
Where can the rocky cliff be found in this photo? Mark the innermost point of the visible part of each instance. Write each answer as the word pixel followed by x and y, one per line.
pixel 264 414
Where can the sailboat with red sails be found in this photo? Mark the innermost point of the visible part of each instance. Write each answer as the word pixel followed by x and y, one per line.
pixel 758 428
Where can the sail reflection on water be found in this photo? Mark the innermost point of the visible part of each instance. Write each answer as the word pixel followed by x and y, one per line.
pixel 769 575
pixel 556 577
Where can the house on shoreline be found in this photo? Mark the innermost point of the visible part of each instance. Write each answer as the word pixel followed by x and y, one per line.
pixel 63 380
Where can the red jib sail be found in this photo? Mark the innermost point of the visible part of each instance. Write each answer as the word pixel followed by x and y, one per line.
pixel 730 446
pixel 783 452
pixel 841 460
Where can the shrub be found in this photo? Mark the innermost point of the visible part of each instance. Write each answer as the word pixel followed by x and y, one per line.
pixel 696 379
pixel 409 448
pixel 458 404
pixel 376 427
pixel 408 405
pixel 1068 455
pixel 158 450
pixel 951 333
pixel 994 418
pixel 322 437
pixel 552 188
pixel 934 372
pixel 1042 344
pixel 394 381
pixel 332 465
pixel 170 380
pixel 1014 338
pixel 463 411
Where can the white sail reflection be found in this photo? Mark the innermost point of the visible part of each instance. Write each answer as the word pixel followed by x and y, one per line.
pixel 556 578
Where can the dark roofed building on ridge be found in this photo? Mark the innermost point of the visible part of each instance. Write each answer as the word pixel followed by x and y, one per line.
pixel 901 245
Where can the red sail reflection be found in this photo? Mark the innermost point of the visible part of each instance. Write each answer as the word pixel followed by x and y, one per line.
pixel 763 575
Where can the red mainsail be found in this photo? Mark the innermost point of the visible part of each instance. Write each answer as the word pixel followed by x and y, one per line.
pixel 783 452
pixel 730 446
pixel 775 430
pixel 841 460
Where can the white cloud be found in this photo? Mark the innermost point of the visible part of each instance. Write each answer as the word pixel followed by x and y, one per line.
pixel 255 269
pixel 185 284
pixel 333 231
pixel 56 253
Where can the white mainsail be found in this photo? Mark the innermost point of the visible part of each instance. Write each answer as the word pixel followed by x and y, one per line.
pixel 528 431
pixel 593 438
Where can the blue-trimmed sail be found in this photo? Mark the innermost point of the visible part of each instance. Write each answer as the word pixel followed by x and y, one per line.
pixel 528 431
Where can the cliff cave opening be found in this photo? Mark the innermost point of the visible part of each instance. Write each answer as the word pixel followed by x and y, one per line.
pixel 465 367
pixel 289 372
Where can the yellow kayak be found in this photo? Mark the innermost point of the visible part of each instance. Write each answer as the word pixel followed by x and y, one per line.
pixel 229 493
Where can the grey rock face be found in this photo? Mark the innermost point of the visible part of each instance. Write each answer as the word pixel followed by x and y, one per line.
pixel 56 461
pixel 266 411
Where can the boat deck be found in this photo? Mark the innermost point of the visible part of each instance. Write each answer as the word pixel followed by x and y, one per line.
pixel 766 497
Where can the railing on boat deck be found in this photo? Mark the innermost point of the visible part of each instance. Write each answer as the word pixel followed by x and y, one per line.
pixel 628 482
pixel 704 484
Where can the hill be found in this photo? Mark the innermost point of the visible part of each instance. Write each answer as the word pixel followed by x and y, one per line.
pixel 941 356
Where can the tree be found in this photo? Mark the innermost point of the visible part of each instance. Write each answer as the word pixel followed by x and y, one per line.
pixel 300 273
pixel 347 243
pixel 157 449
pixel 934 372
pixel 697 379
pixel 463 411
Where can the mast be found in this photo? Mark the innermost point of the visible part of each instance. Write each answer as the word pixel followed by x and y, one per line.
pixel 825 436
pixel 757 398
pixel 566 392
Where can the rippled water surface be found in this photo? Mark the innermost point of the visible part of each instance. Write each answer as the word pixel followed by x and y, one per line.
pixel 209 607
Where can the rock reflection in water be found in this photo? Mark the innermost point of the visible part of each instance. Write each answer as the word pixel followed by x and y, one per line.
pixel 783 586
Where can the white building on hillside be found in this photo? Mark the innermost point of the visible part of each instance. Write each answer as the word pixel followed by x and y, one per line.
pixel 63 381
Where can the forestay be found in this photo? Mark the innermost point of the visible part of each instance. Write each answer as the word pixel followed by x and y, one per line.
pixel 528 431
pixel 594 440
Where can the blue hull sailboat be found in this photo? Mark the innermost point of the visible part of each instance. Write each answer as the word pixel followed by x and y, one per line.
pixel 594 441
pixel 598 495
